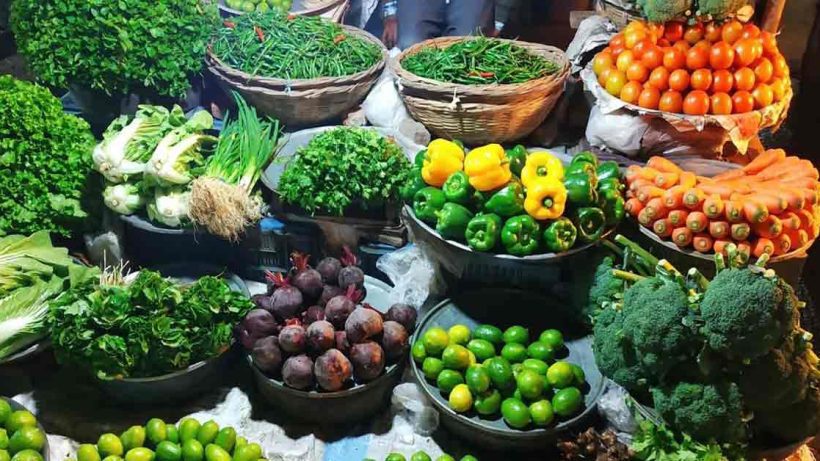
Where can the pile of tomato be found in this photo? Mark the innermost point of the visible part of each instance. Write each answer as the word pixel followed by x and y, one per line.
pixel 702 68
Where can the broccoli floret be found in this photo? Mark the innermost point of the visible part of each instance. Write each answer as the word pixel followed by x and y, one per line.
pixel 605 287
pixel 779 378
pixel 719 9
pixel 706 411
pixel 795 422
pixel 614 355
pixel 746 314
pixel 664 10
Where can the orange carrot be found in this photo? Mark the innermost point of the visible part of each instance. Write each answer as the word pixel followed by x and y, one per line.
pixel 733 210
pixel 662 227
pixel 657 209
pixel 666 180
pixel 740 231
pixel 693 199
pixel 729 174
pixel 806 220
pixel 782 244
pixel 770 228
pixel 682 236
pixel 633 206
pixel 678 217
pixel 798 182
pixel 777 169
pixel 754 211
pixel 628 194
pixel 793 197
pixel 645 218
pixel 647 193
pixel 720 246
pixel 799 238
pixel 744 248
pixel 791 222
pixel 807 169
pixel 809 196
pixel 648 173
pixel 697 221
pixel 722 189
pixel 713 207
pixel 774 203
pixel 632 172
pixel 673 197
pixel 719 229
pixel 688 179
pixel 702 243
pixel 635 185
pixel 762 245
pixel 663 164
pixel 764 160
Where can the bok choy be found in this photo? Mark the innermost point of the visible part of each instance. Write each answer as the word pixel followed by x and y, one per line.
pixel 124 198
pixel 178 157
pixel 170 207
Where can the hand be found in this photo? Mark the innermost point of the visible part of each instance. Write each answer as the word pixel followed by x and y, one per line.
pixel 391 31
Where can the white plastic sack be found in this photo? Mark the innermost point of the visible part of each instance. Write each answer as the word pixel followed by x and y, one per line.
pixel 413 275
pixel 620 131
pixel 612 406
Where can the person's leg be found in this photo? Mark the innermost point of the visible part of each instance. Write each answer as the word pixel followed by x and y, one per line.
pixel 469 17
pixel 419 20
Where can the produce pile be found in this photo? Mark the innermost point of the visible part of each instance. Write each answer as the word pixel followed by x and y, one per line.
pixel 44 163
pixel 664 10
pixel 310 332
pixel 143 325
pixel 698 69
pixel 513 201
pixel 479 61
pixel 249 6
pixel 20 437
pixel 593 446
pixel 721 360
pixel 277 45
pixel 423 456
pixel 342 169
pixel 769 206
pixel 467 367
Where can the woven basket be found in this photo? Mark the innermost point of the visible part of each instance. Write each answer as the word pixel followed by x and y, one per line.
pixel 619 15
pixel 479 114
pixel 304 102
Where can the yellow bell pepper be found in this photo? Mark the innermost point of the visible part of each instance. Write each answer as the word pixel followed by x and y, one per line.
pixel 487 167
pixel 546 199
pixel 442 159
pixel 541 165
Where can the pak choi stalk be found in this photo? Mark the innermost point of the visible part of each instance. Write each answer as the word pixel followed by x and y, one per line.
pixel 124 198
pixel 170 207
pixel 178 158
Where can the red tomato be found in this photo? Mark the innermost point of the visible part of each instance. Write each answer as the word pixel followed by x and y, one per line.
pixel 663 43
pixel 633 36
pixel 617 41
pixel 731 31
pixel 652 57
pixel 659 78
pixel 722 81
pixel 720 104
pixel 682 45
pixel 605 75
pixel 674 59
pixel 649 98
pixel 763 95
pixel 742 101
pixel 696 102
pixel 640 47
pixel 769 43
pixel 673 31
pixel 744 79
pixel 637 72
pixel 624 60
pixel 671 101
pixel 602 61
pixel 745 52
pixel 630 92
pixel 615 82
pixel 764 70
pixel 705 44
pixel 781 68
pixel 694 33
pixel 701 79
pixel 712 32
pixel 750 31
pixel 721 56
pixel 778 88
pixel 697 58
pixel 679 80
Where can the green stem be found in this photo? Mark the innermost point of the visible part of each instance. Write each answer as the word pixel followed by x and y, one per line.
pixel 762 260
pixel 646 256
pixel 720 263
pixel 628 276
pixel 612 247
pixel 698 279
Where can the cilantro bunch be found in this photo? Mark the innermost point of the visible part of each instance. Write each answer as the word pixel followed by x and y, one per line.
pixel 148 47
pixel 45 162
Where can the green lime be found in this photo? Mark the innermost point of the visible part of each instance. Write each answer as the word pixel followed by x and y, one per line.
pixel 540 351
pixel 168 451
pixel 552 338
pixel 27 455
pixel 395 457
pixel 456 357
pixel 516 334
pixel 87 452
pixel 477 378
pixel 580 376
pixel 482 349
pixel 134 437
pixel 469 458
pixel 488 403
pixel 448 379
pixel 4 439
pixel 240 442
pixel 538 366
pixel 516 368
pixel 192 450
pixel 560 375
pixel 156 431
pixel 435 340
pixel 110 445
pixel 541 413
pixel 214 452
pixel 432 367
pixel 567 402
pixel 517 394
pixel 139 454
pixel 445 457
pixel 27 438
pixel 515 413
pixel 18 419
pixel 459 334
pixel 461 399
pixel 226 438
pixel 5 411
pixel 488 333
pixel 420 456
pixel 4 455
pixel 418 352
pixel 514 352
pixel 472 359
pixel 113 458
pixel 530 383
pixel 188 429
pixel 249 452
pixel 207 433
pixel 172 433
pixel 500 372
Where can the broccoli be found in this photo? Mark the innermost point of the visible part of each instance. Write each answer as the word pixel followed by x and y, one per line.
pixel 706 411
pixel 795 422
pixel 780 377
pixel 614 355
pixel 664 10
pixel 605 287
pixel 746 314
pixel 719 9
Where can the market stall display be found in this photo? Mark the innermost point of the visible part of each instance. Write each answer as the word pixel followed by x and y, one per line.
pixel 331 9
pixel 423 456
pixel 241 6
pixel 22 438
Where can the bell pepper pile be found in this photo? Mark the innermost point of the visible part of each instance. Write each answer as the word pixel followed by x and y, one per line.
pixel 511 201
pixel 767 206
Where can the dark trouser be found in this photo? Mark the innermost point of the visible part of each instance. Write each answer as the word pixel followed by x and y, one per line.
pixel 423 19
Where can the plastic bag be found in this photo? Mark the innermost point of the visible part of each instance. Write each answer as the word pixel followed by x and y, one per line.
pixel 409 403
pixel 620 131
pixel 413 275
pixel 612 406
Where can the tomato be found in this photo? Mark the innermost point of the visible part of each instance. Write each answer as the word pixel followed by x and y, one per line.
pixel 679 80
pixel 697 58
pixel 633 36
pixel 663 43
pixel 757 48
pixel 712 32
pixel 750 31
pixel 764 70
pixel 635 24
pixel 649 98
pixel 617 41
pixel 721 56
pixel 605 75
pixel 630 92
pixel 602 61
pixel 701 79
pixel 615 82
pixel 721 104
pixel 731 31
pixel 637 72
pixel 659 78
pixel 671 101
pixel 745 52
pixel 769 43
pixel 624 60
pixel 696 102
pixel 682 45
pixel 705 44
pixel 616 51
pixel 778 88
pixel 744 79
pixel 639 48
pixel 763 95
pixel 656 30
pixel 694 33
pixel 722 81
pixel 653 57
pixel 781 68
pixel 742 101
pixel 673 31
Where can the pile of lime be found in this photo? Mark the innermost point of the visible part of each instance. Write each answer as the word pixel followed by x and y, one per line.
pixel 487 370
pixel 423 456
pixel 158 441
pixel 249 6
pixel 20 437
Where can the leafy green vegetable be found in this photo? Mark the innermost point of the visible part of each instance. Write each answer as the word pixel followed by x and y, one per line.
pixel 140 46
pixel 659 443
pixel 179 155
pixel 344 167
pixel 44 162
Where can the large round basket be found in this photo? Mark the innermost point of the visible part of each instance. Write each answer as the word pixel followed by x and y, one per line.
pixel 480 114
pixel 619 14
pixel 302 102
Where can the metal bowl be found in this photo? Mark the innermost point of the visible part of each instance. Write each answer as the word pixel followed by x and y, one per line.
pixel 504 308
pixel 17 407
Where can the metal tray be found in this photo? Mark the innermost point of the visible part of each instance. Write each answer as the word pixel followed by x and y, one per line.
pixel 17 407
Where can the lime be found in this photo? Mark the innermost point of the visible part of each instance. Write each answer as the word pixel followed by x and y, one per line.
pixel 249 452
pixel 552 338
pixel 460 398
pixel 541 413
pixel 27 438
pixel 448 379
pixel 517 395
pixel 567 402
pixel 478 380
pixel 500 372
pixel 207 433
pixel 530 383
pixel 156 431
pixel 5 411
pixel 456 357
pixel 87 452
pixel 538 366
pixel 18 419
pixel 435 340
pixel 168 451
pixel 192 450
pixel 214 452
pixel 172 433
pixel 516 368
pixel 420 456
pixel 459 334
pixel 4 439
pixel 469 458
pixel 514 352
pixel 560 375
pixel 540 351
pixel 395 457
pixel 516 334
pixel 113 458
pixel 488 402
pixel 110 445
pixel 188 428
pixel 139 454
pixel 418 352
pixel 4 455
pixel 445 457
pixel 27 455
pixel 226 438
pixel 488 333
pixel 134 437
pixel 515 413
pixel 241 442
pixel 580 376
pixel 482 349
pixel 432 367
pixel 472 358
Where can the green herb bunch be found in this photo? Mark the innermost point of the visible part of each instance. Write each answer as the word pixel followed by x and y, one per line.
pixel 45 162
pixel 117 47
pixel 275 45
pixel 343 167
pixel 149 327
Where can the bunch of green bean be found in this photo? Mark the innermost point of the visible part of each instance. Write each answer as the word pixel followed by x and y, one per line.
pixel 479 61
pixel 272 44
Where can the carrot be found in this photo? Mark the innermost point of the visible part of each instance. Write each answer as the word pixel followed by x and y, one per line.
pixel 628 194
pixel 807 169
pixel 696 221
pixel 731 174
pixel 713 207
pixel 702 243
pixel 719 229
pixel 774 203
pixel 733 210
pixel 762 245
pixel 633 206
pixel 809 196
pixel 688 179
pixel 678 217
pixel 662 227
pixel 645 218
pixel 744 248
pixel 740 231
pixel 777 169
pixel 720 246
pixel 635 185
pixel 800 183
pixel 663 165
pixel 656 208
pixel 682 237
pixel 764 160
pixel 673 197
pixel 754 211
pixel 770 228
pixel 782 244
pixel 647 193
pixel 666 180
pixel 799 238
pixel 794 197
pixel 806 220
pixel 693 199
pixel 648 173
pixel 791 222
pixel 723 190
pixel 632 172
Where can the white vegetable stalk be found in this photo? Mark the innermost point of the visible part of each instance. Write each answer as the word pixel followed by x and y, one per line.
pixel 170 208
pixel 124 199
pixel 178 156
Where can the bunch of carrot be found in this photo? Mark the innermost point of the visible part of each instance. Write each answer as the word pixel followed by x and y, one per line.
pixel 767 206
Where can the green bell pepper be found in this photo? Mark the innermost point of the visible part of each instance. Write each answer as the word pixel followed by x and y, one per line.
pixel 520 235
pixel 517 157
pixel 426 202
pixel 507 201
pixel 560 235
pixel 590 223
pixel 613 205
pixel 607 170
pixel 483 232
pixel 457 188
pixel 581 167
pixel 414 184
pixel 581 189
pixel 585 157
pixel 452 221
pixel 610 184
pixel 419 159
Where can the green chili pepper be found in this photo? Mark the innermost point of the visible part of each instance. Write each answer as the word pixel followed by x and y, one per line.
pixel 457 188
pixel 580 167
pixel 610 184
pixel 585 157
pixel 520 235
pixel 483 232
pixel 590 222
pixel 452 221
pixel 419 160
pixel 507 201
pixel 517 157
pixel 581 189
pixel 414 184
pixel 426 202
pixel 608 170
pixel 560 235
pixel 613 205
